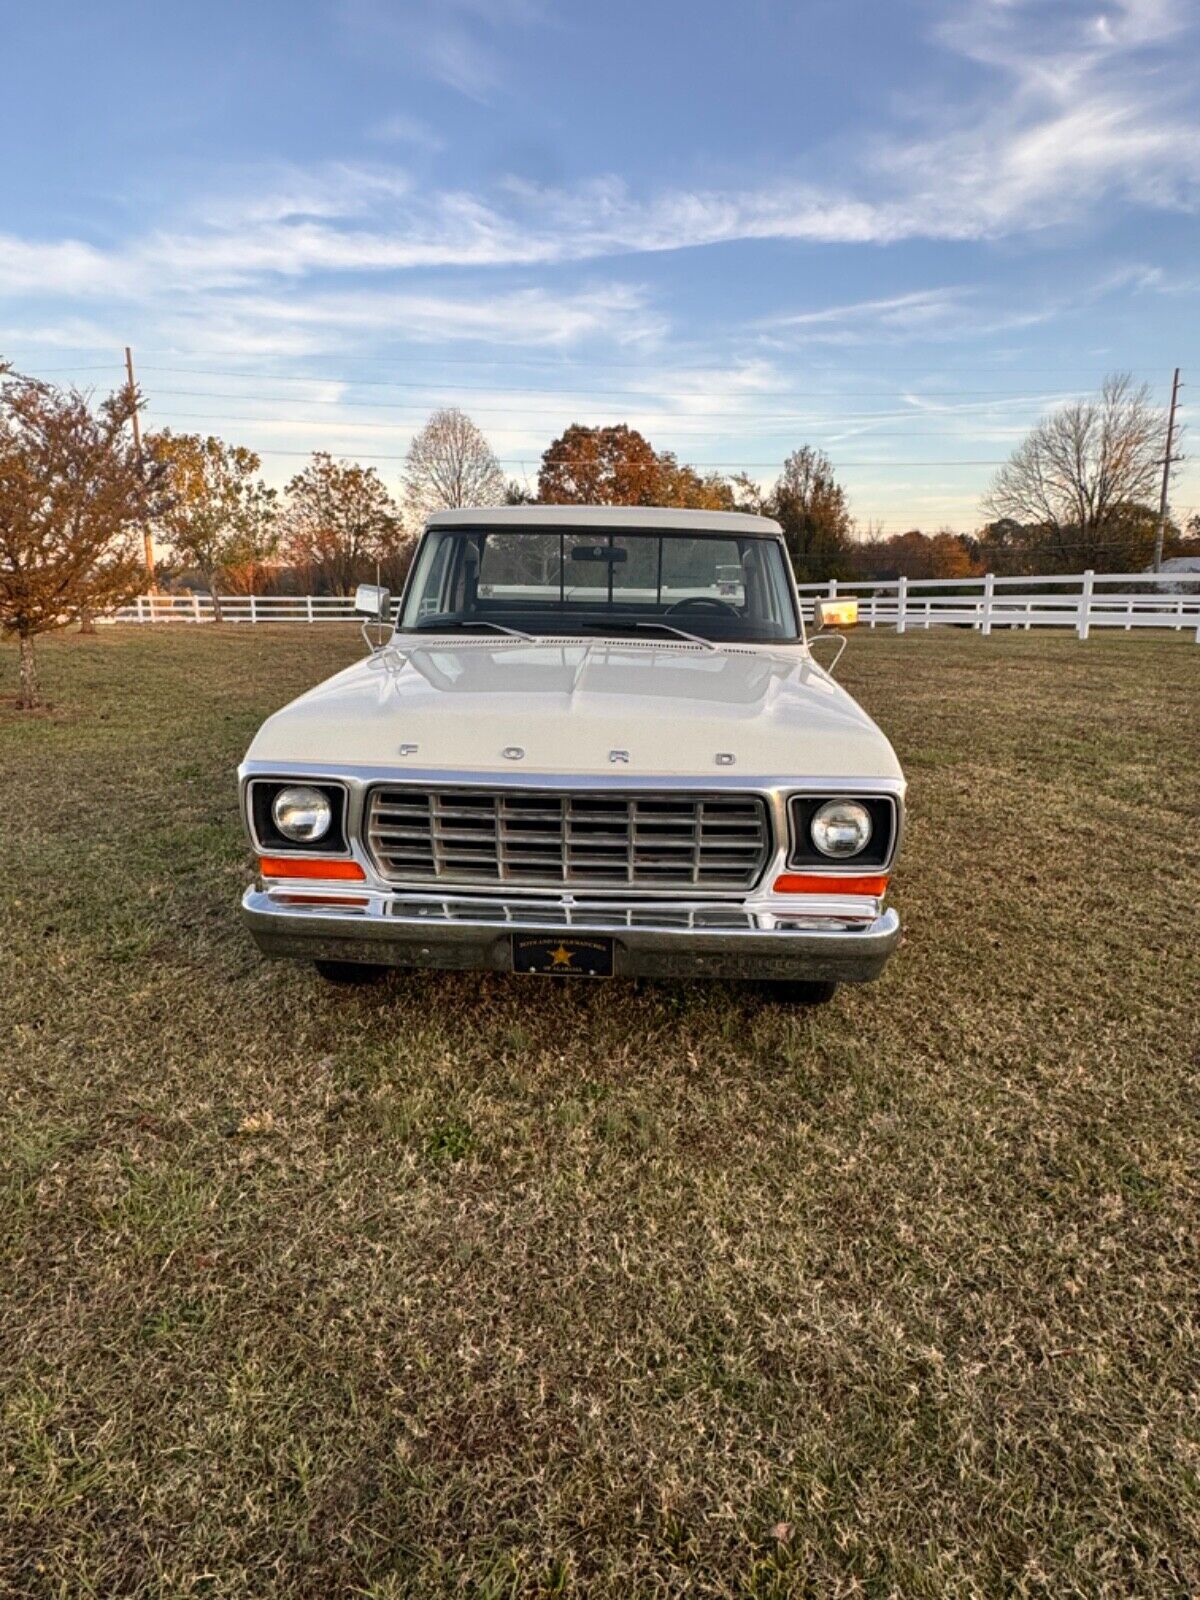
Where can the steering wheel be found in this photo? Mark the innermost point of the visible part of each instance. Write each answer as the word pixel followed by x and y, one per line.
pixel 702 602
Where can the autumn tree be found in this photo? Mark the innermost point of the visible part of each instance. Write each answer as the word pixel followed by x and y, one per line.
pixel 1076 489
pixel 220 517
pixel 339 521
pixel 450 464
pixel 918 555
pixel 611 466
pixel 72 496
pixel 810 506
pixel 681 485
pixel 618 466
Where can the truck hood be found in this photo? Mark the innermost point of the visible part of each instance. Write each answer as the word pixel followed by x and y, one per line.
pixel 568 704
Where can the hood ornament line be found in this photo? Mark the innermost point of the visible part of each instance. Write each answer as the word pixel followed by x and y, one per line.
pixel 513 752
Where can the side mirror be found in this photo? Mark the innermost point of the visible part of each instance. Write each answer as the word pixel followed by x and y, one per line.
pixel 835 613
pixel 374 602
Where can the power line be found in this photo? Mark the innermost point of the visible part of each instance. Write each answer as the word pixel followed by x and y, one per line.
pixel 506 461
pixel 792 419
pixel 809 429
pixel 558 361
pixel 587 389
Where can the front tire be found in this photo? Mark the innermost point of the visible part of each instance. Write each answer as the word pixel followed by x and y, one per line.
pixel 350 972
pixel 797 992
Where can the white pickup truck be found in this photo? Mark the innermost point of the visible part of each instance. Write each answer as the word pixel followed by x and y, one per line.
pixel 579 748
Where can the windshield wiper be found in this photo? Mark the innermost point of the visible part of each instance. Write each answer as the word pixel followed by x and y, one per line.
pixel 663 627
pixel 433 624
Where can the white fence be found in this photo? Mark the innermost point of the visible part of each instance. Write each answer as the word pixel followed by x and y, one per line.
pixel 1080 602
pixel 238 608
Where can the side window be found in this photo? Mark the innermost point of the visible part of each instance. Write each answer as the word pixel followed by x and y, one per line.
pixel 767 586
pixel 430 588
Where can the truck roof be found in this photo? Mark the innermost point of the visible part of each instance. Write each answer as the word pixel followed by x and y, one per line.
pixel 646 519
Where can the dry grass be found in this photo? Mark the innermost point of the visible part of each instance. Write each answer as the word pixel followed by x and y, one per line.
pixel 470 1286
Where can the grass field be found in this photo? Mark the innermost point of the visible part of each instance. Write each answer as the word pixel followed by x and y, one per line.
pixel 475 1286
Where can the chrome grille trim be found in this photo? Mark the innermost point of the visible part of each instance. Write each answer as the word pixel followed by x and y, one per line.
pixel 574 839
pixel 593 915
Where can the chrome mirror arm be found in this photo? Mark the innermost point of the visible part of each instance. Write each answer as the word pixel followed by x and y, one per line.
pixel 839 639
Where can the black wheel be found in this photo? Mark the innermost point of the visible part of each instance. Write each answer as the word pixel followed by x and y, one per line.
pixel 350 972
pixel 798 993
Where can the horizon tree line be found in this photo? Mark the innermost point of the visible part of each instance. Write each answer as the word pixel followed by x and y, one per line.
pixel 75 496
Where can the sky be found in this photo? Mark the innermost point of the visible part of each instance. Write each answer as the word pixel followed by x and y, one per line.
pixel 900 230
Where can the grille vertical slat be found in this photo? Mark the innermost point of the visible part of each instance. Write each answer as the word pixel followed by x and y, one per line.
pixel 586 839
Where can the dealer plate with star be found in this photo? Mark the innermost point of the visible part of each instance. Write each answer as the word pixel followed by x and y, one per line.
pixel 552 956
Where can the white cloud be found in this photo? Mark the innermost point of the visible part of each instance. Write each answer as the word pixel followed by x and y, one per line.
pixel 943 313
pixel 536 317
pixel 458 43
pixel 1069 109
pixel 1072 116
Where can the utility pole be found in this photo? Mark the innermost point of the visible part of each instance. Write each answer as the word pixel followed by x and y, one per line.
pixel 1166 477
pixel 147 536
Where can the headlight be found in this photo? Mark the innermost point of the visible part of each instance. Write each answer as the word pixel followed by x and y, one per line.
pixel 302 814
pixel 841 828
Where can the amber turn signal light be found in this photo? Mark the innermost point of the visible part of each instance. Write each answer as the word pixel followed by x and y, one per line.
pixel 298 867
pixel 824 883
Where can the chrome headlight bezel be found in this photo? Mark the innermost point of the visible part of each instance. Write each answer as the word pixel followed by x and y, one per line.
pixel 265 833
pixel 877 854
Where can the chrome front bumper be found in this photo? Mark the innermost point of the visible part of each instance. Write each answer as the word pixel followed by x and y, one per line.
pixel 715 939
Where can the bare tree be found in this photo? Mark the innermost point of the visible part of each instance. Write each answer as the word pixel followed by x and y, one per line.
pixel 72 496
pixel 450 464
pixel 1077 482
pixel 340 520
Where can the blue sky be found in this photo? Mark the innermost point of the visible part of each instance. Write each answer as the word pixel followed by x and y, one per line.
pixel 896 230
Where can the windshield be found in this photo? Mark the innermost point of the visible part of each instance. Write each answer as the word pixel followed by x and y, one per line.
pixel 556 582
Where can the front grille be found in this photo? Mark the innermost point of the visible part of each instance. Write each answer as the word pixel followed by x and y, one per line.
pixel 552 840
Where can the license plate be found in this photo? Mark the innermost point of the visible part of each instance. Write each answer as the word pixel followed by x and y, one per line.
pixel 562 958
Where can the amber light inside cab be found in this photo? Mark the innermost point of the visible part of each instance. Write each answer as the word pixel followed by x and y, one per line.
pixel 872 883
pixel 311 870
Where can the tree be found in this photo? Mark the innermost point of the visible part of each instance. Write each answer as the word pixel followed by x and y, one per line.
pixel 219 514
pixel 339 520
pixel 681 485
pixel 618 466
pixel 914 554
pixel 612 466
pixel 1075 490
pixel 72 496
pixel 450 464
pixel 811 507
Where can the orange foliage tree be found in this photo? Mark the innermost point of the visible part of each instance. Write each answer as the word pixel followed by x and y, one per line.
pixel 618 466
pixel 72 499
pixel 339 521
